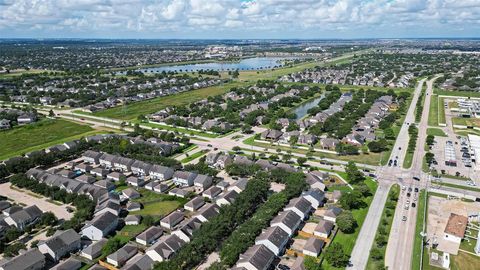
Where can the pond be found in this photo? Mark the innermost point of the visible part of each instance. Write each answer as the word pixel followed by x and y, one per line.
pixel 256 63
pixel 302 110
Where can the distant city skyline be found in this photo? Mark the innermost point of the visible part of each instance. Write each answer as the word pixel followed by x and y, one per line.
pixel 235 19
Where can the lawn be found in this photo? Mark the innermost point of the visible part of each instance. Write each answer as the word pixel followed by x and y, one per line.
pixel 436 132
pixel 194 156
pixel 464 261
pixel 470 122
pixel 348 240
pixel 418 243
pixel 457 93
pixel 433 111
pixel 441 111
pixel 373 264
pixel 407 162
pixel 45 133
pixel 157 205
pixel 187 131
pixel 133 110
pixel 129 231
pixel 460 187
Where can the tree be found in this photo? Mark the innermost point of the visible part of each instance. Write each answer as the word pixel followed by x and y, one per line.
pixel 301 161
pixel 363 189
pixel 430 140
pixel 236 149
pixel 247 129
pixel 429 158
pixel 378 146
pixel 112 245
pixel 48 219
pixel 389 134
pixel 148 220
pixel 354 175
pixel 346 222
pixel 336 256
pixel 141 118
pixel 376 254
pixel 311 263
pixel 51 113
pixel 354 200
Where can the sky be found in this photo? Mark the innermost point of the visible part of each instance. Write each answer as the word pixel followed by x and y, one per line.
pixel 239 19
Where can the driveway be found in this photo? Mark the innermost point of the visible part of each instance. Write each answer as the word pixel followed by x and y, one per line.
pixel 60 211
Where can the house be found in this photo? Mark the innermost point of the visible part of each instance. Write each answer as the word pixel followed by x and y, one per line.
pixel 300 206
pixel 313 247
pixel 32 259
pixel 116 176
pixel 133 219
pixel 202 182
pixel 107 206
pixel 165 247
pixel 298 264
pixel 99 172
pixel 289 221
pixel 106 160
pixel 94 250
pixel 271 134
pixel 323 228
pixel 186 228
pixel 265 164
pixel 121 256
pixel 240 185
pixel 70 264
pixel 161 173
pixel 135 181
pixel 223 185
pixel 139 262
pixel 83 167
pixel 308 139
pixel 177 192
pixel 286 167
pixel 123 164
pixel 149 236
pixel 104 184
pixel 329 143
pixel 130 193
pixel 134 206
pixel 160 188
pixel 455 228
pixel 242 161
pixel 185 179
pixel 212 192
pixel 141 168
pixel 173 219
pixel 211 158
pixel 207 212
pixel 194 204
pixel 223 161
pixel 26 118
pixel 257 257
pixel 316 197
pixel 67 174
pixel 227 198
pixel 334 196
pixel 24 217
pixel 332 213
pixel 274 238
pixel 150 185
pixel 100 226
pixel 60 244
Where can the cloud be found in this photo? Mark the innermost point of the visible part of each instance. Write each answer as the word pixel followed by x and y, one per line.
pixel 238 18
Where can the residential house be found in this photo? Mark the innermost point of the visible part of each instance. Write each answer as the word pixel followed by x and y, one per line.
pixel 32 259
pixel 99 172
pixel 94 250
pixel 183 178
pixel 316 197
pixel 271 135
pixel 212 192
pixel 455 228
pixel 160 188
pixel 194 204
pixel 107 206
pixel 123 164
pixel 161 173
pixel 141 168
pixel 202 182
pixel 227 198
pixel 121 256
pixel 177 192
pixel 165 247
pixel 300 206
pixel 208 211
pixel 257 257
pixel 22 218
pixel 323 228
pixel 149 236
pixel 332 213
pixel 239 186
pixel 100 226
pixel 68 264
pixel 313 247
pixel 26 118
pixel 173 219
pixel 274 238
pixel 130 193
pixel 186 228
pixel 116 176
pixel 60 244
pixel 223 161
pixel 135 181
pixel 134 206
pixel 139 262
pixel 289 221
pixel 133 219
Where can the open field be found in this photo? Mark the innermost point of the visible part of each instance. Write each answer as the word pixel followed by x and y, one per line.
pixel 433 111
pixel 441 111
pixel 470 122
pixel 456 93
pixel 464 261
pixel 157 205
pixel 132 111
pixel 40 135
pixel 436 132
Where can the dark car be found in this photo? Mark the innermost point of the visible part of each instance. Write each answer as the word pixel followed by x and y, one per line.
pixel 408 194
pixel 413 205
pixel 416 189
pixel 416 178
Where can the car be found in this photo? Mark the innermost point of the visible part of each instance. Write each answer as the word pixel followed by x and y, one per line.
pixel 413 205
pixel 372 175
pixel 409 189
pixel 407 206
pixel 404 218
pixel 408 201
pixel 408 194
pixel 215 149
pixel 416 189
pixel 416 178
pixel 83 119
pixel 209 145
pixel 404 187
pixel 399 148
pixel 395 163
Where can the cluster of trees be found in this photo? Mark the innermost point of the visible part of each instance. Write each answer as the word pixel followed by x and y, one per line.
pixel 244 236
pixel 328 100
pixel 212 233
pixel 419 109
pixel 22 164
pixel 381 239
pixel 201 167
pixel 412 141
pixel 82 203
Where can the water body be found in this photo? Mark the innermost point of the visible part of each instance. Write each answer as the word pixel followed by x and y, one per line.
pixel 256 63
pixel 301 110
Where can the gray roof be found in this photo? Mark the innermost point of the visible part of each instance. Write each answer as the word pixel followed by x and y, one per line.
pixel 203 179
pixel 149 233
pixel 92 154
pixel 289 218
pixel 134 218
pixel 213 191
pixel 160 169
pixel 69 264
pixel 208 210
pixel 103 221
pixel 258 255
pixel 27 214
pixel 61 240
pixel 27 260
pixel 95 249
pixel 324 226
pixel 301 204
pixel 314 245
pixel 173 218
pixel 124 253
pixel 333 211
pixel 275 235
pixel 139 262
pixel 168 245
pixel 315 193
pixel 97 267
pixel 195 203
pixel 190 225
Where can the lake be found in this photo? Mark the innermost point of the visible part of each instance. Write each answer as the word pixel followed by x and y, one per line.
pixel 256 63
pixel 301 110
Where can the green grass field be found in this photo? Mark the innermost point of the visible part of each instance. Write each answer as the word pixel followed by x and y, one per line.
pixel 456 93
pixel 132 111
pixel 157 205
pixel 436 132
pixel 348 240
pixel 433 111
pixel 470 122
pixel 417 244
pixel 194 156
pixel 45 133
pixel 372 264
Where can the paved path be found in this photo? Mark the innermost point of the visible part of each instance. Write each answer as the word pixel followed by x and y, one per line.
pixel 42 203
